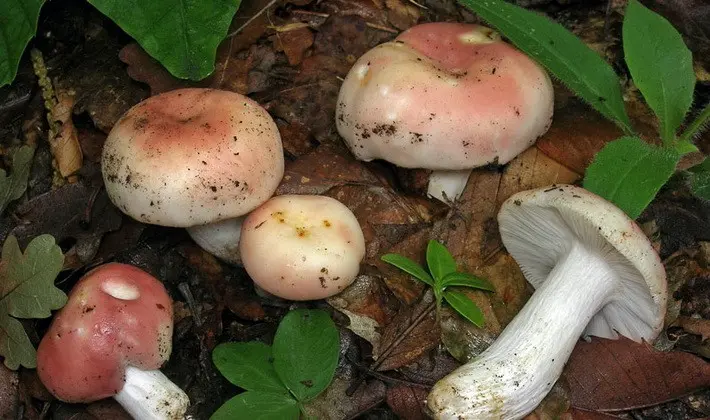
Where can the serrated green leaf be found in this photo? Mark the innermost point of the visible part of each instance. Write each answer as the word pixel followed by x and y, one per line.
pixel 439 260
pixel 660 64
pixel 248 366
pixel 182 35
pixel 409 266
pixel 629 173
pixel 683 147
pixel 12 187
pixel 561 52
pixel 18 24
pixel 253 405
pixel 464 306
pixel 467 280
pixel 306 349
pixel 27 291
pixel 700 179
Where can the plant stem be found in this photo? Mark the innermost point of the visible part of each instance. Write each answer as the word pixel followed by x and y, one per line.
pixel 697 125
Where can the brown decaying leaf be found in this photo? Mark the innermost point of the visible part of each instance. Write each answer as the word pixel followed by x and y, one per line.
pixel 412 332
pixel 407 402
pixel 65 142
pixel 293 43
pixel 9 393
pixel 335 404
pixel 695 326
pixel 615 375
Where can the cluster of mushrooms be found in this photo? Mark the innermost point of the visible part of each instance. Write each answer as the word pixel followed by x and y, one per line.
pixel 445 97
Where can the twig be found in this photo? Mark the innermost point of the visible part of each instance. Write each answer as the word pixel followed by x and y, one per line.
pixel 381 28
pixel 185 291
pixel 251 19
pixel 418 5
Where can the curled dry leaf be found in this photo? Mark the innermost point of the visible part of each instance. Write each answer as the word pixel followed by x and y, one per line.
pixel 615 375
pixel 64 143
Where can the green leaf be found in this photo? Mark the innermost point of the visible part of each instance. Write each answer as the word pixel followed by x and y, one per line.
pixel 408 266
pixel 561 52
pixel 27 291
pixel 700 179
pixel 467 280
pixel 464 306
pixel 248 365
pixel 18 24
pixel 629 173
pixel 182 35
pixel 439 260
pixel 306 349
pixel 660 64
pixel 12 187
pixel 683 147
pixel 253 405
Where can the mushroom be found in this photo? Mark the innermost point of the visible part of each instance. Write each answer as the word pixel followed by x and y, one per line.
pixel 302 247
pixel 447 97
pixel 194 158
pixel 110 339
pixel 595 273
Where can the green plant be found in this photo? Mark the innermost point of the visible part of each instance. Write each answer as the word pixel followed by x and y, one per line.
pixel 183 35
pixel 442 275
pixel 27 291
pixel 278 379
pixel 628 171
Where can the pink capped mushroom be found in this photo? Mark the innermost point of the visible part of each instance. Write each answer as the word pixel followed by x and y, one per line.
pixel 109 340
pixel 302 247
pixel 194 158
pixel 447 97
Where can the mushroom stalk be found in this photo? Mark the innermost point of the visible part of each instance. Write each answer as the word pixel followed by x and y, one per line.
pixel 510 378
pixel 447 186
pixel 150 395
pixel 220 239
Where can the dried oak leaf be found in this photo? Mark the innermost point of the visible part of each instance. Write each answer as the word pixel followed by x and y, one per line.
pixel 411 333
pixel 76 211
pixel 615 375
pixel 407 402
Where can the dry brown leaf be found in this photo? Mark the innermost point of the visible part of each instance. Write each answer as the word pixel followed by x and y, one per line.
pixel 695 326
pixel 404 286
pixel 614 375
pixel 65 142
pixel 411 333
pixel 296 138
pixel 294 43
pixel 576 414
pixel 9 393
pixel 407 402
pixel 335 404
pixel 144 68
pixel 402 14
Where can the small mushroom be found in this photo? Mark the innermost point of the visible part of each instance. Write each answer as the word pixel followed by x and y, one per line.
pixel 109 340
pixel 194 158
pixel 595 273
pixel 302 247
pixel 447 97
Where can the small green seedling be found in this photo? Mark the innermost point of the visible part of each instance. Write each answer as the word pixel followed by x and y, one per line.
pixel 442 274
pixel 629 172
pixel 279 379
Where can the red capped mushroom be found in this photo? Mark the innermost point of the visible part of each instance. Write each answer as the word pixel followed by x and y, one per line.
pixel 447 97
pixel 109 340
pixel 194 158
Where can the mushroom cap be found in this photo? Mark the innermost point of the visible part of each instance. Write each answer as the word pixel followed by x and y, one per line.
pixel 116 315
pixel 302 247
pixel 539 226
pixel 444 96
pixel 192 156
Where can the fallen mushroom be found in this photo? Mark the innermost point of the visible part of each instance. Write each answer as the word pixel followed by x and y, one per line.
pixel 194 158
pixel 447 97
pixel 302 247
pixel 595 273
pixel 109 340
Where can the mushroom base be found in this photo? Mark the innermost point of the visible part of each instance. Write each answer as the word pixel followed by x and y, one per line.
pixel 150 395
pixel 447 186
pixel 220 239
pixel 510 378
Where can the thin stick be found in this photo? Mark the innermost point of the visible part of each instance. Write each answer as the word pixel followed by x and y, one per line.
pixel 251 19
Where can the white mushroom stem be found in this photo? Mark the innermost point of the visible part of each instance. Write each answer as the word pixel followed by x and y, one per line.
pixel 220 239
pixel 150 395
pixel 510 378
pixel 447 186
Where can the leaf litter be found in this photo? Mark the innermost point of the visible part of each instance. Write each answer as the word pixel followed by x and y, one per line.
pixel 291 57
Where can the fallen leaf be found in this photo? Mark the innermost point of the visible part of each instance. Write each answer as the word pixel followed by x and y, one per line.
pixel 64 143
pixel 615 375
pixel 335 404
pixel 402 14
pixel 577 414
pixel 695 326
pixel 77 212
pixel 296 138
pixel 293 43
pixel 411 333
pixel 9 393
pixel 14 185
pixel 144 68
pixel 407 402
